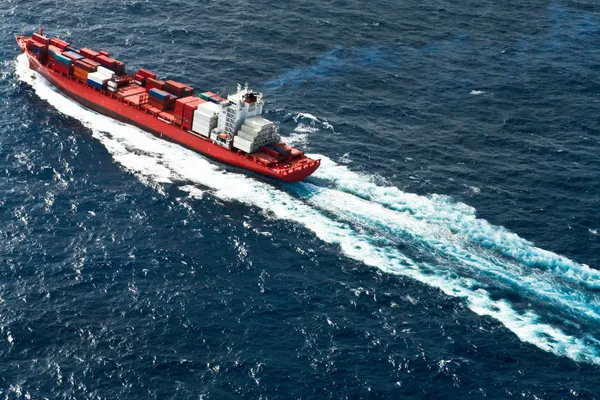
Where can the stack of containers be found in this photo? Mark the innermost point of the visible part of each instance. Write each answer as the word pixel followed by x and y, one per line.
pixel 207 95
pixel 255 133
pixel 212 97
pixel 52 52
pixel 160 99
pixel 184 110
pixel 178 89
pixel 61 44
pixel 154 83
pixel 89 53
pixel 142 75
pixel 63 64
pixel 107 62
pixel 100 78
pixel 188 112
pixel 72 55
pixel 81 69
pixel 112 64
pixel 205 118
pixel 39 49
pixel 41 39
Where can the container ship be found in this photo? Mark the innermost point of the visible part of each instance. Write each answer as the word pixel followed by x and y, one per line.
pixel 230 130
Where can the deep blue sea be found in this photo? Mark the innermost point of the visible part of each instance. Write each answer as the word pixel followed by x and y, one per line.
pixel 448 247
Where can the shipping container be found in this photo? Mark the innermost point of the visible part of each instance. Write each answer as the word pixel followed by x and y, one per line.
pixel 179 103
pixel 154 83
pixel 53 50
pixel 119 67
pixel 61 44
pixel 146 74
pixel 207 95
pixel 80 73
pixel 154 102
pixel 95 84
pixel 158 94
pixel 89 53
pixel 59 58
pixel 106 72
pixel 104 53
pixel 73 56
pixel 82 64
pixel 98 77
pixel 65 69
pixel 40 39
pixel 93 63
pixel 107 62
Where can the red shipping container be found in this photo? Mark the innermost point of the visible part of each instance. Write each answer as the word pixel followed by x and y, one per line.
pixel 93 63
pixel 146 74
pixel 88 53
pixel 188 91
pixel 177 88
pixel 104 53
pixel 119 67
pixel 61 44
pixel 154 83
pixel 188 108
pixel 107 62
pixel 179 103
pixel 40 38
pixel 85 66
pixel 64 69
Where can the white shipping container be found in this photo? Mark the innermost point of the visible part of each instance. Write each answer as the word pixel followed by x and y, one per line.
pixel 208 108
pixel 98 78
pixel 206 118
pixel 106 72
pixel 243 147
pixel 241 141
pixel 257 131
pixel 202 128
pixel 259 123
pixel 245 135
pixel 112 84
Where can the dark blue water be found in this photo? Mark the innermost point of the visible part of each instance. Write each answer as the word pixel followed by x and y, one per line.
pixel 447 247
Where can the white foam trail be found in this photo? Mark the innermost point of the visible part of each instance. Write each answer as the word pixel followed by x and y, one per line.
pixel 156 160
pixel 457 217
pixel 451 246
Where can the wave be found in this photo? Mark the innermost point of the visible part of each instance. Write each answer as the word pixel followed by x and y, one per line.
pixel 459 218
pixel 371 228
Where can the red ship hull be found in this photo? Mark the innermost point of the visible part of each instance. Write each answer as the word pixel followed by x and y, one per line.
pixel 112 106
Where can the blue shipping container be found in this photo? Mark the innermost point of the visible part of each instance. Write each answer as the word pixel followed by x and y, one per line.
pixel 74 55
pixel 62 59
pixel 214 100
pixel 95 84
pixel 159 94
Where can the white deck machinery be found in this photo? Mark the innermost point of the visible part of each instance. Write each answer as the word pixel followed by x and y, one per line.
pixel 236 122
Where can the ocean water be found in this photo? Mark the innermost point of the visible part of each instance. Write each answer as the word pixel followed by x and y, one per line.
pixel 448 247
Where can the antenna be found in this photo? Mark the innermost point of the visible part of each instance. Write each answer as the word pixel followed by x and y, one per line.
pixel 41 30
pixel 239 87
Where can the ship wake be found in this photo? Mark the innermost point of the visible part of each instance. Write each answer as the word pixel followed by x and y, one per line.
pixel 543 298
